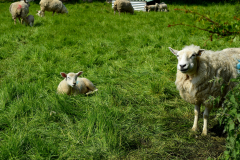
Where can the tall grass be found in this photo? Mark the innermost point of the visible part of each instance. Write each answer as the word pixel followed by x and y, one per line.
pixel 137 112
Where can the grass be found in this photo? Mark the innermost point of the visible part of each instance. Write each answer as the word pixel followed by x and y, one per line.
pixel 137 112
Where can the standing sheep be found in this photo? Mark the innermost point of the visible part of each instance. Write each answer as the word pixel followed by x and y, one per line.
pixel 123 6
pixel 72 84
pixel 151 7
pixel 30 20
pixel 19 10
pixel 162 7
pixel 51 5
pixel 195 70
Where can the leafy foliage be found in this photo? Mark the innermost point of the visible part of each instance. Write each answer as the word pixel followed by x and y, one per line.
pixel 230 117
pixel 220 29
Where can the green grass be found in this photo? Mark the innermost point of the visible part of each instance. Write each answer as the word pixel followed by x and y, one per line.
pixel 137 112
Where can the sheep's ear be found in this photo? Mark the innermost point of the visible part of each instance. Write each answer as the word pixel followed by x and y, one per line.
pixel 79 73
pixel 200 52
pixel 173 51
pixel 64 75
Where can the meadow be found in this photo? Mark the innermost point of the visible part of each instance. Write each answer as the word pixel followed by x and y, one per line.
pixel 137 112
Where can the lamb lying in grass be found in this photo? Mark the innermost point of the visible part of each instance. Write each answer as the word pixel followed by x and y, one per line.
pixel 19 10
pixel 73 85
pixel 196 70
pixel 51 5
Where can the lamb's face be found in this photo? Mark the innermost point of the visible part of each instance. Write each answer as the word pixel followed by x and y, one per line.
pixel 71 78
pixel 187 60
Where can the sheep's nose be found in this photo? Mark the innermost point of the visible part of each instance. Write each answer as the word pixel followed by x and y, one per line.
pixel 182 66
pixel 74 84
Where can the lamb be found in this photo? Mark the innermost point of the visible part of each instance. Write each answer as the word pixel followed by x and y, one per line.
pixel 151 7
pixel 73 85
pixel 162 7
pixel 196 67
pixel 30 20
pixel 19 10
pixel 123 6
pixel 51 5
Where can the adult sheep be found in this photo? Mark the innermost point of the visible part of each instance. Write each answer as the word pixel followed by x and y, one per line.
pixel 72 84
pixel 162 7
pixel 195 70
pixel 51 5
pixel 123 6
pixel 19 10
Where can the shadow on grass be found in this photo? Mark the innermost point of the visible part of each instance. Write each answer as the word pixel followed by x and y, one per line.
pixel 37 24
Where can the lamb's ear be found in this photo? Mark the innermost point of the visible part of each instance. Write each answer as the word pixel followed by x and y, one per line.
pixel 173 51
pixel 200 52
pixel 64 75
pixel 79 73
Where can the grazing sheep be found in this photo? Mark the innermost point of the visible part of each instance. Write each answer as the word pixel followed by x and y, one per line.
pixel 123 6
pixel 195 70
pixel 72 84
pixel 30 20
pixel 19 10
pixel 162 7
pixel 51 5
pixel 151 7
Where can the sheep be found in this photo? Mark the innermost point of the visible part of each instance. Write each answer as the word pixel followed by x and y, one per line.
pixel 151 7
pixel 73 85
pixel 19 10
pixel 162 7
pixel 123 6
pixel 51 5
pixel 30 20
pixel 196 68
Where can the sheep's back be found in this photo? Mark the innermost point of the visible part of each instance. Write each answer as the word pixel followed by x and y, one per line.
pixel 19 12
pixel 123 5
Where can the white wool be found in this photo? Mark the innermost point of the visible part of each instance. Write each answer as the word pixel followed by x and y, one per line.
pixel 196 70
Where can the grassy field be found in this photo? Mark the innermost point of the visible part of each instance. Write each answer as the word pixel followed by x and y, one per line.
pixel 137 112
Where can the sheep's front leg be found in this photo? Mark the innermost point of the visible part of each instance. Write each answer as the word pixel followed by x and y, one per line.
pixel 205 119
pixel 195 123
pixel 53 13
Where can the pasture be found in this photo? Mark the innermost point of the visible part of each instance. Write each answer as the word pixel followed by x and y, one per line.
pixel 137 112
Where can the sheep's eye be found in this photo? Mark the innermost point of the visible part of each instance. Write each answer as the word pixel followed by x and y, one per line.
pixel 193 55
pixel 68 77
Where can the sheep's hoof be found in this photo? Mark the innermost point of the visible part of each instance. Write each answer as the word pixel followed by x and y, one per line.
pixel 204 133
pixel 194 129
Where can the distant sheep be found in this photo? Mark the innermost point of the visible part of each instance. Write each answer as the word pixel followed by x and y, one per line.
pixel 19 10
pixel 195 70
pixel 30 20
pixel 51 5
pixel 123 6
pixel 162 7
pixel 72 84
pixel 151 7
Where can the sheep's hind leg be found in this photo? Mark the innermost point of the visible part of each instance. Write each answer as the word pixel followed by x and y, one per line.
pixel 195 123
pixel 205 119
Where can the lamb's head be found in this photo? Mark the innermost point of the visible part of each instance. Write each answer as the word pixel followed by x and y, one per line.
pixel 188 58
pixel 71 78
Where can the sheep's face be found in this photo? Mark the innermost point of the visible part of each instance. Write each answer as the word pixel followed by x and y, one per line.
pixel 64 10
pixel 71 78
pixel 187 60
pixel 40 13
